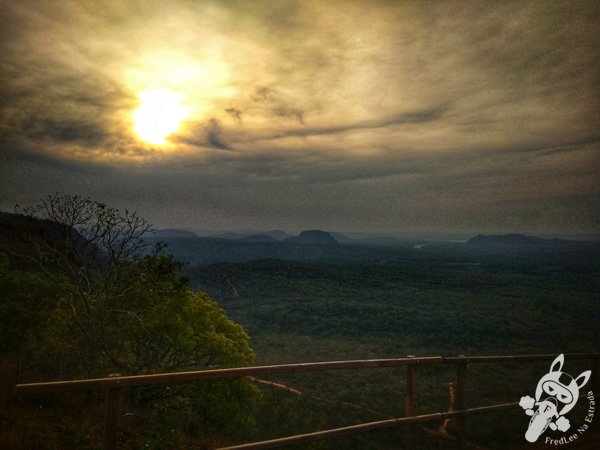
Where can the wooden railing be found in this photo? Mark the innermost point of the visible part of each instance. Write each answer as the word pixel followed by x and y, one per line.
pixel 114 387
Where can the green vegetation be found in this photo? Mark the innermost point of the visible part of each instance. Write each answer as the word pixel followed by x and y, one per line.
pixel 444 308
pixel 93 304
pixel 446 303
pixel 83 297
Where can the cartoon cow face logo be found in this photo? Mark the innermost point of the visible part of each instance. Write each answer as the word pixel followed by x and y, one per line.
pixel 556 394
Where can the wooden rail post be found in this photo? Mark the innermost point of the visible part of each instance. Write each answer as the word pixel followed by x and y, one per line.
pixel 461 403
pixel 410 403
pixel 112 412
pixel 114 388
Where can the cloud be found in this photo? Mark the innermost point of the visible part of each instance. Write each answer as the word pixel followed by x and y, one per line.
pixel 88 134
pixel 235 113
pixel 214 134
pixel 395 120
pixel 270 100
pixel 332 113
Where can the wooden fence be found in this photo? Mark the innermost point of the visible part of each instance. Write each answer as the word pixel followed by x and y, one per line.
pixel 114 387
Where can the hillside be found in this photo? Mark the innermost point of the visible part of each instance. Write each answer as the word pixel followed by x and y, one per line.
pixel 211 251
pixel 278 235
pixel 24 239
pixel 316 237
pixel 171 233
pixel 525 242
pixel 259 238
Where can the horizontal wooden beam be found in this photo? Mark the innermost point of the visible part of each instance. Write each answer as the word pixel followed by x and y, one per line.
pixel 514 358
pixel 212 374
pixel 177 377
pixel 364 427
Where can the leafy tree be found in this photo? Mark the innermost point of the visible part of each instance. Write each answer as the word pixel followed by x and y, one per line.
pixel 158 324
pixel 101 302
pixel 26 299
pixel 123 308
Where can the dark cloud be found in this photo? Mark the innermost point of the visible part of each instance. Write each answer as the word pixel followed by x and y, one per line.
pixel 214 135
pixel 273 102
pixel 235 113
pixel 208 135
pixel 88 134
pixel 395 120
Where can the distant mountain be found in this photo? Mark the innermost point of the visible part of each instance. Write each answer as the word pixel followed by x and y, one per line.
pixel 171 233
pixel 383 241
pixel 202 250
pixel 231 235
pixel 519 240
pixel 313 237
pixel 322 246
pixel 259 238
pixel 341 238
pixel 278 235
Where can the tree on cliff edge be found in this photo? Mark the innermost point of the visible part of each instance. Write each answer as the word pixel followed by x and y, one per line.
pixel 111 305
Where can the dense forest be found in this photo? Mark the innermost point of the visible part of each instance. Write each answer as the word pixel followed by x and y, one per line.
pixel 448 302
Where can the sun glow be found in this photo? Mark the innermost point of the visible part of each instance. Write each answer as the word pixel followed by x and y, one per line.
pixel 159 115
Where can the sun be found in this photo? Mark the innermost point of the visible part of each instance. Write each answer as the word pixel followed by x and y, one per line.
pixel 159 115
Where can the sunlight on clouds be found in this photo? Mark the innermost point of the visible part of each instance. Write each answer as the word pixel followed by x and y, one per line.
pixel 175 90
pixel 200 79
pixel 159 115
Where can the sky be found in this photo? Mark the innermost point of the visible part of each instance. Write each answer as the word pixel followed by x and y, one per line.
pixel 375 116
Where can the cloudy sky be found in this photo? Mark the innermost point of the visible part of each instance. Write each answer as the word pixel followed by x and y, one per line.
pixel 388 116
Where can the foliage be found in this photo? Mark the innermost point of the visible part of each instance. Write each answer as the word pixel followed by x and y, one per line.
pixel 121 308
pixel 157 324
pixel 446 307
pixel 100 303
pixel 25 298
pixel 445 304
